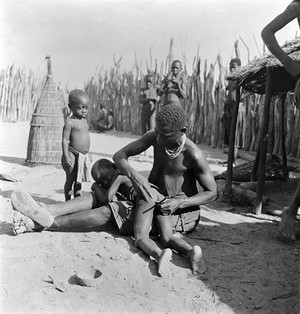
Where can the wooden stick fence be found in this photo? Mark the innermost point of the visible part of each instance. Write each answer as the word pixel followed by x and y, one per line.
pixel 119 93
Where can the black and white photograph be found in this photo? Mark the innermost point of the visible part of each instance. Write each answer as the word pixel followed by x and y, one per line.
pixel 149 156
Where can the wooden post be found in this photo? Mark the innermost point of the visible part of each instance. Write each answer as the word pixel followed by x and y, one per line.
pixel 255 166
pixel 228 183
pixel 284 158
pixel 263 145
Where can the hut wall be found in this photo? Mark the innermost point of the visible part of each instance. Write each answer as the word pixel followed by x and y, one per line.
pixel 19 92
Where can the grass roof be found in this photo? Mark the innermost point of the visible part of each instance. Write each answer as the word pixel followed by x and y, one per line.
pixel 252 77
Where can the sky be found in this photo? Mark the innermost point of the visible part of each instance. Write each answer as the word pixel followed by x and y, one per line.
pixel 83 36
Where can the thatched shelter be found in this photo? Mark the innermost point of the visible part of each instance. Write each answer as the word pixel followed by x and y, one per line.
pixel 44 142
pixel 252 77
pixel 265 75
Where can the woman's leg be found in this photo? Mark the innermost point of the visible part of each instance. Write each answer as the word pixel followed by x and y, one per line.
pixel 289 215
pixel 78 204
pixel 98 217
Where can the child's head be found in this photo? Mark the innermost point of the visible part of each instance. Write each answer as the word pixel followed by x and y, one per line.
pixel 176 67
pixel 104 172
pixel 78 103
pixel 150 79
pixel 234 64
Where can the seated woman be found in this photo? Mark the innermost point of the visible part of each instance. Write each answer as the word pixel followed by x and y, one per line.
pixel 109 183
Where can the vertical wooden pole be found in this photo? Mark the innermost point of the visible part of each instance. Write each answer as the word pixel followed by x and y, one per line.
pixel 228 183
pixel 263 145
pixel 255 166
pixel 284 158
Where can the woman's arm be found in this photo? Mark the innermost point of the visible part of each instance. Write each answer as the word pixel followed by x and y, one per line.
pixel 268 35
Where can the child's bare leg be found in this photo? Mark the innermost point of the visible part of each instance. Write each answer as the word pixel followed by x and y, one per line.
pixel 288 217
pixel 195 257
pixel 71 174
pixel 164 263
pixel 70 180
pixel 142 227
pixel 181 246
pixel 77 189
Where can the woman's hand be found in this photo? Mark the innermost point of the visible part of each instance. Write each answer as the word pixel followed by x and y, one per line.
pixel 169 206
pixel 142 187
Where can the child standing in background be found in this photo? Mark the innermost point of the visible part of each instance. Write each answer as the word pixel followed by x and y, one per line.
pixel 148 99
pixel 173 87
pixel 228 113
pixel 76 144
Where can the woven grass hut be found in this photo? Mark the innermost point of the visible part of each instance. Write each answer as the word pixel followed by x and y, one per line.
pixel 44 142
pixel 264 75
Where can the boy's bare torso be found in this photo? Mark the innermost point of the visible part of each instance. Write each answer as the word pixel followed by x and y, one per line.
pixel 173 93
pixel 79 136
pixel 231 92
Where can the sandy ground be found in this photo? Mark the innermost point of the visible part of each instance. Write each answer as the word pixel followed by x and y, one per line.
pixel 249 268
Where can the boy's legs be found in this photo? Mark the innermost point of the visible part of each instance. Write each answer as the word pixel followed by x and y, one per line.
pixel 143 217
pixel 142 226
pixel 167 238
pixel 194 254
pixel 77 189
pixel 144 122
pixel 71 174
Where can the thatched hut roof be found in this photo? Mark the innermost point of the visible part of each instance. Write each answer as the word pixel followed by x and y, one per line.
pixel 252 77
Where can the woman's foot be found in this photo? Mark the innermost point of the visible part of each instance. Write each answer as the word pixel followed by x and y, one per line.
pixel 21 223
pixel 22 202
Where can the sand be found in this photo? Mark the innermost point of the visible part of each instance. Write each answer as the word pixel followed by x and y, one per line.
pixel 249 268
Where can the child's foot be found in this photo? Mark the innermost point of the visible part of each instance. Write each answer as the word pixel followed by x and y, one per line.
pixel 21 223
pixel 164 263
pixel 197 261
pixel 22 202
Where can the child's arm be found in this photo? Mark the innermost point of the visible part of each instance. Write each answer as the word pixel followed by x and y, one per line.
pixel 105 196
pixel 100 193
pixel 181 86
pixel 115 187
pixel 163 86
pixel 142 98
pixel 65 142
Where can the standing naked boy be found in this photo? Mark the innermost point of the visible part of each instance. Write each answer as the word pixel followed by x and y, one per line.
pixel 76 144
pixel 173 86
pixel 289 214
pixel 148 100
